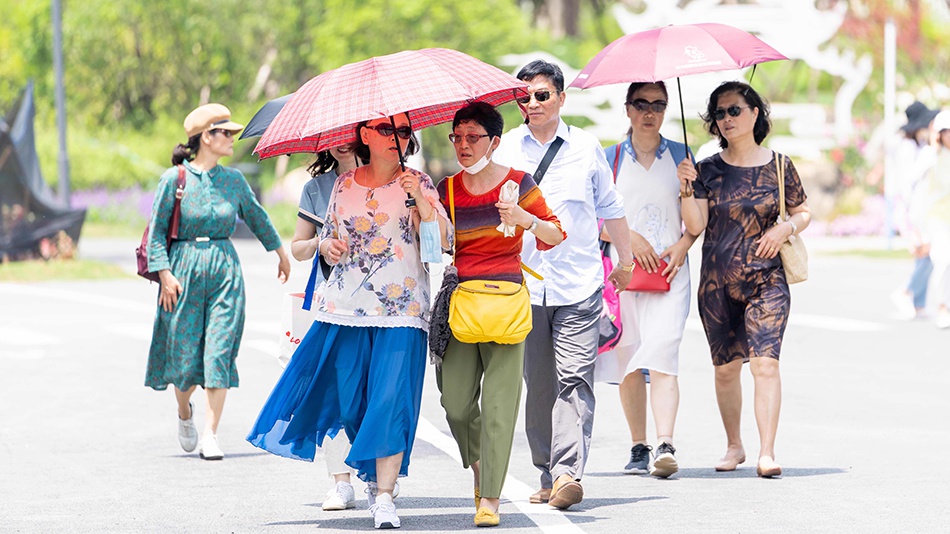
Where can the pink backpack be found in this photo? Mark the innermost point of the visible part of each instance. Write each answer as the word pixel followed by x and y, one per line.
pixel 609 325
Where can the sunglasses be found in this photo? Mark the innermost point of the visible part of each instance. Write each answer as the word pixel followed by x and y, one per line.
pixel 227 133
pixel 540 96
pixel 469 138
pixel 733 111
pixel 641 105
pixel 386 130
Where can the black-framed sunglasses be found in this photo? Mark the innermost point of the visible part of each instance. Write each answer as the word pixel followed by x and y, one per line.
pixel 540 96
pixel 733 111
pixel 641 105
pixel 227 133
pixel 386 130
pixel 469 138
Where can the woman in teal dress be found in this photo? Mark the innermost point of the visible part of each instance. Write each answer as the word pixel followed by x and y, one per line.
pixel 200 318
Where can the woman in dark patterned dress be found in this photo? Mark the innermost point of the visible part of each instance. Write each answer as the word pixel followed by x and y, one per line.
pixel 743 296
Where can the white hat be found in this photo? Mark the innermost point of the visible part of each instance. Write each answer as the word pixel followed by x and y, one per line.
pixel 942 121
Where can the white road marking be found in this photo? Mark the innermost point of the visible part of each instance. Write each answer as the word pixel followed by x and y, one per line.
pixel 549 520
pixel 146 306
pixel 20 336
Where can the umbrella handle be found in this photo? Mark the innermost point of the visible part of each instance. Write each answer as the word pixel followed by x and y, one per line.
pixel 679 90
pixel 410 202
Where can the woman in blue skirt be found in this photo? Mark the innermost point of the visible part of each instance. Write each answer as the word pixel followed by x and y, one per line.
pixel 361 365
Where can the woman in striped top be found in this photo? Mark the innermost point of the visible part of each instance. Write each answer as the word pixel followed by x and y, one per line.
pixel 484 434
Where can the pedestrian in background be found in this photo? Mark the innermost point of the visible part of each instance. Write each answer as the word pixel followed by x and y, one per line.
pixel 744 298
pixel 937 186
pixel 645 165
pixel 562 346
pixel 911 206
pixel 361 366
pixel 200 317
pixel 490 372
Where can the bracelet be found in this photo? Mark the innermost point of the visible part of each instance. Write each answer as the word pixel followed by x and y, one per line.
pixel 794 226
pixel 625 268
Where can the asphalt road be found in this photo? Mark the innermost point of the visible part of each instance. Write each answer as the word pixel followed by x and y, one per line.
pixel 85 447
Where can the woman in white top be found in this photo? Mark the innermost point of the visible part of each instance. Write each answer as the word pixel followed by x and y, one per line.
pixel 645 171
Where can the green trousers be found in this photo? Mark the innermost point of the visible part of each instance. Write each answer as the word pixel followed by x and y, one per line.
pixel 484 434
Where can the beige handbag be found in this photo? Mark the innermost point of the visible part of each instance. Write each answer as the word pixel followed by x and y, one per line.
pixel 793 253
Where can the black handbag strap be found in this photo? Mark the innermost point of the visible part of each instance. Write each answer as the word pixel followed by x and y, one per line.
pixel 547 159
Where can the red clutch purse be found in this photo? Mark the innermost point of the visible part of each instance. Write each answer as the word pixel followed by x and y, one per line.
pixel 645 282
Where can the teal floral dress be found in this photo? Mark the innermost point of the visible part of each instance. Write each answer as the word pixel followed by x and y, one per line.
pixel 197 343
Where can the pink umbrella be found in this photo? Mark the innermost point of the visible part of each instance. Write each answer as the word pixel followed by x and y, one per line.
pixel 674 51
pixel 430 85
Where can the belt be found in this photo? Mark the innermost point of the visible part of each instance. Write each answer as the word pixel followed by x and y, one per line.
pixel 202 239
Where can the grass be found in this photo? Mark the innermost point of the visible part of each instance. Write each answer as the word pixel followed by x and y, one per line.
pixel 873 254
pixel 44 271
pixel 111 229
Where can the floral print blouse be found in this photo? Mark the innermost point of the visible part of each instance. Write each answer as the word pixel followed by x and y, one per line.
pixel 380 280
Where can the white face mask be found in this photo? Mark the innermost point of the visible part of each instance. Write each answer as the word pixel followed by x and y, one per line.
pixel 477 166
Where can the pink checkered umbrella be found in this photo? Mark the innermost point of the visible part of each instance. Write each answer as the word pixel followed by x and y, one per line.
pixel 430 85
pixel 674 51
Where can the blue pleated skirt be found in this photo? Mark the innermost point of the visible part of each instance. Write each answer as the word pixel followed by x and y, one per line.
pixel 367 380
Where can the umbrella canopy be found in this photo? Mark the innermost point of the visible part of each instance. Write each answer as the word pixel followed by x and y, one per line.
pixel 430 85
pixel 674 51
pixel 264 116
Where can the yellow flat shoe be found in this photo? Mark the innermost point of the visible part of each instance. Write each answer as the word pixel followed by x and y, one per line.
pixel 486 518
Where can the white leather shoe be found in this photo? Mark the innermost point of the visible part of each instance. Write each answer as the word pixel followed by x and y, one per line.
pixel 209 449
pixel 187 433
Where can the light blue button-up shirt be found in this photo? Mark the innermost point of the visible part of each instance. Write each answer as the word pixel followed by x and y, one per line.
pixel 579 188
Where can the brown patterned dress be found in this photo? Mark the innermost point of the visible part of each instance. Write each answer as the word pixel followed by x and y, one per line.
pixel 743 298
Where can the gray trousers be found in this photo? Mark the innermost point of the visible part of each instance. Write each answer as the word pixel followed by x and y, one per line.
pixel 559 379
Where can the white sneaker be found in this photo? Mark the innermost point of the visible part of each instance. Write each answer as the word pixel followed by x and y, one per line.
pixel 187 433
pixel 340 497
pixel 209 449
pixel 384 513
pixel 904 303
pixel 943 319
pixel 372 489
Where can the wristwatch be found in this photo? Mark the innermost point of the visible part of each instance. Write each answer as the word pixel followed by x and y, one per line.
pixel 534 225
pixel 626 268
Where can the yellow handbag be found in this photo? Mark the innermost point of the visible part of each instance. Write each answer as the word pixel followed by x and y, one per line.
pixel 483 311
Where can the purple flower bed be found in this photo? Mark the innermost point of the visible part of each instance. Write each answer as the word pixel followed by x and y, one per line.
pixel 133 203
pixel 869 222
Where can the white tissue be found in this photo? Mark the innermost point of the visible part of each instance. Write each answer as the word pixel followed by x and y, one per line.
pixel 508 193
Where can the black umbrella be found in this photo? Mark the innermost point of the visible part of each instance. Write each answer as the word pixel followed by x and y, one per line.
pixel 264 116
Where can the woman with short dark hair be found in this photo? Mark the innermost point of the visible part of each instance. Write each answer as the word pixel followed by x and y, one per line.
pixel 490 371
pixel 744 298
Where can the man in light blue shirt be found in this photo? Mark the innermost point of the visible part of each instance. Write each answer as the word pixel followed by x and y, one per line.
pixel 566 305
